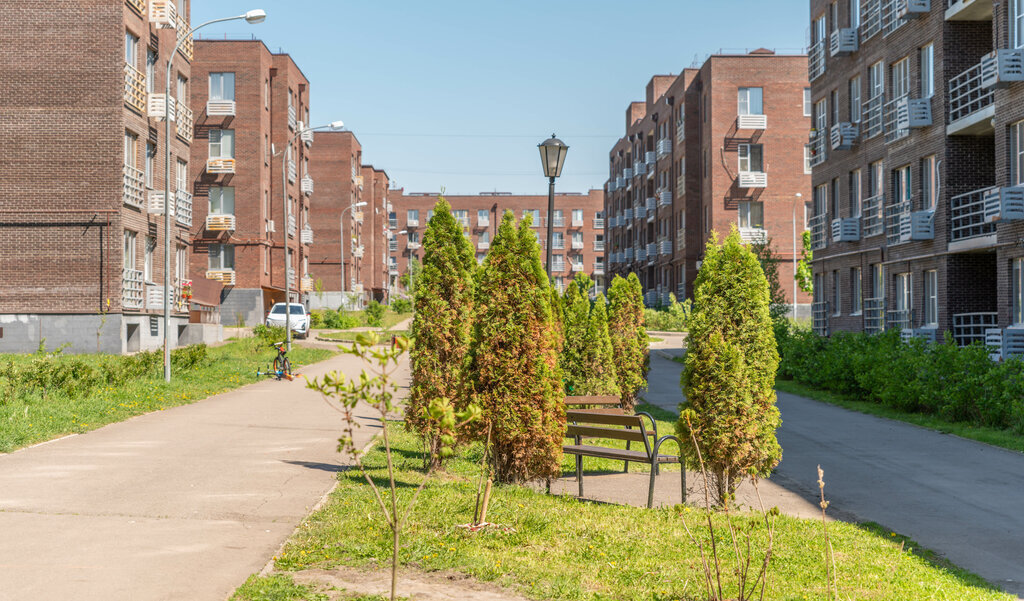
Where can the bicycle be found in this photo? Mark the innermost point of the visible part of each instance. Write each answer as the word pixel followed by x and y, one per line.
pixel 282 366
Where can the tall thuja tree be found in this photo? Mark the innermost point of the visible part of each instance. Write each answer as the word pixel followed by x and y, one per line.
pixel 628 337
pixel 442 326
pixel 730 370
pixel 575 319
pixel 514 358
pixel 599 372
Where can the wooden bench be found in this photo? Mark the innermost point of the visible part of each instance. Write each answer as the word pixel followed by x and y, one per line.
pixel 630 428
pixel 609 404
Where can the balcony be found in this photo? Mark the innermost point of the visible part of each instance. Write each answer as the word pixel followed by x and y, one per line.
pixel 971 107
pixel 752 122
pixel 639 168
pixel 874 315
pixel 393 246
pixel 871 19
pixel 292 227
pixel 816 148
pixel 292 171
pixel 134 184
pixel 904 114
pixel 628 216
pixel 412 223
pixel 843 41
pixel 819 318
pixel 652 250
pixel 292 122
pixel 307 236
pixel 649 207
pixel 155 203
pixel 967 217
pixel 664 147
pixel 157 106
pixel 665 246
pixel 577 244
pixel 1004 204
pixel 843 135
pixel 819 239
pixel 131 289
pixel 872 115
pixel 220 165
pixel 620 182
pixel 1002 67
pixel 650 158
pixel 412 245
pixel 558 243
pixel 753 179
pixel 138 6
pixel 969 10
pixel 898 319
pixel 873 221
pixel 816 61
pixel 220 108
pixel 558 221
pixel 557 266
pixel 307 134
pixel 224 276
pixel 483 244
pixel 183 208
pixel 135 89
pixel 846 230
pixel 627 255
pixel 599 246
pixel 306 284
pixel 598 268
pixel 184 36
pixel 903 225
pixel 577 266
pixel 641 255
pixel 611 185
pixel 182 295
pixel 599 223
pixel 306 185
pixel 665 198
pixel 183 128
pixel 220 223
pixel 970 328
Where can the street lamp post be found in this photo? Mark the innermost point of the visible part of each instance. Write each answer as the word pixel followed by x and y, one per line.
pixel 252 17
pixel 341 221
pixel 287 151
pixel 552 157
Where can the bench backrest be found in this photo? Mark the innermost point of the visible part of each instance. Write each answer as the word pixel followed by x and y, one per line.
pixel 602 400
pixel 594 424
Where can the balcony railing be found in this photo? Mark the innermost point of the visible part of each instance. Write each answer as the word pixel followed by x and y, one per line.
pixel 182 295
pixel 412 223
pixel 598 223
pixel 134 186
pixel 220 165
pixel 306 284
pixel 967 215
pixel 138 6
pixel 665 198
pixel 816 60
pixel 664 147
pixel 598 268
pixel 184 36
pixel 753 179
pixel 967 95
pixel 650 205
pixel 753 235
pixel 558 221
pixel 819 318
pixel 874 315
pixel 220 223
pixel 577 266
pixel 292 122
pixel 665 246
pixel 904 114
pixel 557 265
pixel 183 127
pixel 131 289
pixel 183 208
pixel 599 245
pixel 873 217
pixel 558 244
pixel 307 236
pixel 894 217
pixel 969 328
pixel 816 148
pixel 392 246
pixel 819 235
pixel 872 115
pixel 843 41
pixel 871 19
pixel 639 168
pixel 577 244
pixel 134 88
pixel 900 318
pixel 306 185
pixel 220 108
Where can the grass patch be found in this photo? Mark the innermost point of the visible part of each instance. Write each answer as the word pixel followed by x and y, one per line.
pixel 350 336
pixel 655 339
pixel 275 588
pixel 388 321
pixel 27 416
pixel 1006 439
pixel 562 548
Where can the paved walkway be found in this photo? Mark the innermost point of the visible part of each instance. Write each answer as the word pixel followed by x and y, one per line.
pixel 179 504
pixel 957 497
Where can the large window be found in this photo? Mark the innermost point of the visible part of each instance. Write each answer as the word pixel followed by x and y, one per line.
pixel 901 78
pixel 150 163
pixel 751 101
pixel 821 199
pixel 877 280
pixel 129 249
pixel 854 13
pixel 222 256
pixel 901 184
pixel 931 298
pixel 751 215
pixel 485 237
pixel 222 200
pixel 222 86
pixel 904 302
pixel 855 197
pixel 147 265
pixel 483 217
pixel 131 149
pixel 837 299
pixel 557 240
pixel 181 176
pixel 821 117
pixel 751 158
pixel 182 87
pixel 150 71
pixel 876 178
pixel 222 143
pixel 462 217
pixel 412 216
pixel 854 93
pixel 1017 309
pixel 577 217
pixel 1017 153
pixel 876 80
pixel 856 292
pixel 927 75
pixel 807 102
pixel 534 215
pixel 929 182
pixel 131 48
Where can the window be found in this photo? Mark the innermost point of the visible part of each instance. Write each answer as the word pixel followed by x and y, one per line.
pixel 927 71
pixel 856 292
pixel 131 149
pixel 534 215
pixel 821 199
pixel 222 86
pixel 559 218
pixel 837 300
pixel 181 261
pixel 855 105
pixel 131 48
pixel 222 257
pixel 876 178
pixel 751 215
pixel 751 158
pixel 807 102
pixel 266 94
pixel 834 195
pixel 577 240
pixel 751 101
pixel 855 198
pixel 818 30
pixel 1017 309
pixel 877 280
pixel 483 216
pixel 462 217
pixel 577 216
pixel 929 182
pixel 266 259
pixel 557 240
pixel 931 298
pixel 266 149
pixel 807 159
pixel 129 249
pixel 485 237
pixel 150 163
pixel 901 184
pixel 876 80
pixel 181 176
pixel 222 200
pixel 1017 153
pixel 182 87
pixel 833 15
pixel 854 13
pixel 1017 22
pixel 222 143
pixel 150 71
pixel 903 293
pixel 834 97
pixel 900 71
pixel 808 213
pixel 412 216
pixel 147 265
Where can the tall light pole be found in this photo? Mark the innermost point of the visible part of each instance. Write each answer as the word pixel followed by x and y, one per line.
pixel 287 152
pixel 798 197
pixel 252 17
pixel 552 157
pixel 341 220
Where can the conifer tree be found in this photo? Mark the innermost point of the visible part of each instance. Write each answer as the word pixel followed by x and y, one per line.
pixel 574 334
pixel 599 375
pixel 730 369
pixel 442 325
pixel 514 359
pixel 628 337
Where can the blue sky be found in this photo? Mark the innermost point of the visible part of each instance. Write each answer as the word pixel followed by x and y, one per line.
pixel 452 94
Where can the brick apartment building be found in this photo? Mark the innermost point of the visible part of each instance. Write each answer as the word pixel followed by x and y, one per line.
pixel 81 190
pixel 249 103
pixel 918 216
pixel 579 228
pixel 708 150
pixel 374 266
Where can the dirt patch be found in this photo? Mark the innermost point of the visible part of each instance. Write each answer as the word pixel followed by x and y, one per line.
pixel 414 585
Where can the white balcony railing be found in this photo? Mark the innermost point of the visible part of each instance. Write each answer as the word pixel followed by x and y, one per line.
pixel 816 149
pixel 306 185
pixel 752 122
pixel 163 13
pixel 598 223
pixel 627 173
pixel 641 255
pixel 665 198
pixel 819 239
pixel 652 250
pixel 753 179
pixel 905 113
pixel 628 255
pixel 873 217
pixel 184 37
pixel 599 246
pixel 220 108
pixel 483 221
pixel 664 147
pixel 967 215
pixel 291 277
pixel 412 223
pixel 874 315
pixel 412 245
pixel 307 236
pixel 577 266
pixel 970 328
pixel 220 165
pixel 816 60
pixel 134 88
pixel 183 208
pixel 967 96
pixel 131 289
pixel 134 186
pixel 220 223
pixel 650 205
pixel 577 244
pixel 872 115
pixel 185 120
pixel 598 268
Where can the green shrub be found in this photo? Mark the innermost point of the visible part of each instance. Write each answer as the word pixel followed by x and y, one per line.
pixel 374 313
pixel 401 305
pixel 316 319
pixel 628 337
pixel 668 319
pixel 575 319
pixel 268 335
pixel 189 357
pixel 599 376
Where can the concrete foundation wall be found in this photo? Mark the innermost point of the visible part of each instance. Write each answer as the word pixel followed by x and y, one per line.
pixel 333 300
pixel 246 303
pixel 22 333
pixel 196 333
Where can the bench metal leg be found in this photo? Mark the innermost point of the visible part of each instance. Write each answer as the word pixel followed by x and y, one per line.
pixel 625 468
pixel 579 472
pixel 650 491
pixel 682 477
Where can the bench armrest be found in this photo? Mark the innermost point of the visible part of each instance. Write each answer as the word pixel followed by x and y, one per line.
pixel 657 446
pixel 654 424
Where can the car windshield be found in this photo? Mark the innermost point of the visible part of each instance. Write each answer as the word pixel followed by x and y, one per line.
pixel 295 310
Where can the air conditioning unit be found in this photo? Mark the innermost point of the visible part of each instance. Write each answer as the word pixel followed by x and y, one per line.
pixel 846 230
pixel 917 225
pixel 163 13
pixel 1002 67
pixel 157 107
pixel 1013 342
pixel 913 8
pixel 913 112
pixel 844 41
pixel 1004 204
pixel 843 135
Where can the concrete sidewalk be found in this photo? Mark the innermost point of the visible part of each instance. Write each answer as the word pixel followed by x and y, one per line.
pixel 179 504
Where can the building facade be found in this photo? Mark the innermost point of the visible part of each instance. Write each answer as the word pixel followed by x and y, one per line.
pixel 578 226
pixel 250 106
pixel 81 190
pixel 708 150
pixel 918 209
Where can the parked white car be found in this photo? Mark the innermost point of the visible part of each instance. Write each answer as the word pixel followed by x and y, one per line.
pixel 298 320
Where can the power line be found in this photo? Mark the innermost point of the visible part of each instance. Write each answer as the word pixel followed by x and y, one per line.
pixel 505 173
pixel 524 136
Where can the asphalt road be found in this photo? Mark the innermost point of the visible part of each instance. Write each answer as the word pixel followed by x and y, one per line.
pixel 959 498
pixel 178 504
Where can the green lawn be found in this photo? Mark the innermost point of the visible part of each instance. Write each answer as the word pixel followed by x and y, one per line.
pixel 350 336
pixel 556 547
pixel 27 416
pixel 388 321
